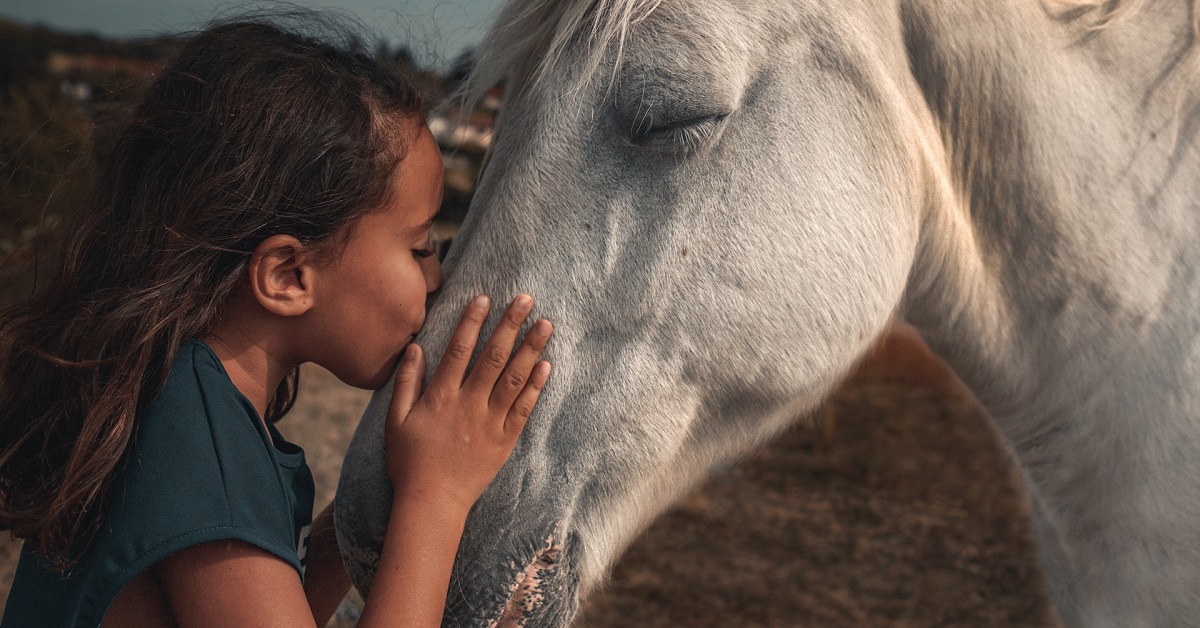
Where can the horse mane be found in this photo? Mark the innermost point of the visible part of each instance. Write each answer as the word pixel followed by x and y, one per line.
pixel 529 37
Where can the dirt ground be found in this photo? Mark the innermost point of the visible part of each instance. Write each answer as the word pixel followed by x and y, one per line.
pixel 897 508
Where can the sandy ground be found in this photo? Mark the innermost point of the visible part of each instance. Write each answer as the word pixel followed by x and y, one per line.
pixel 896 508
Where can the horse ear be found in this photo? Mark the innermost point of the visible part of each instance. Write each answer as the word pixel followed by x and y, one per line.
pixel 281 276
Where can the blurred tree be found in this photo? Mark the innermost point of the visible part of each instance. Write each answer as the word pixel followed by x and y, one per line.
pixel 23 49
pixel 19 60
pixel 43 138
pixel 461 68
pixel 45 170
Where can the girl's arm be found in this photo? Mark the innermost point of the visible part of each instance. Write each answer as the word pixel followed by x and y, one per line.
pixel 443 449
pixel 232 583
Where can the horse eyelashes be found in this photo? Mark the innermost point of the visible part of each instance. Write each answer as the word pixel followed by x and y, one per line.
pixel 687 135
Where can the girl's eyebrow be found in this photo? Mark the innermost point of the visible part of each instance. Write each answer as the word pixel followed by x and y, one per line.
pixel 425 226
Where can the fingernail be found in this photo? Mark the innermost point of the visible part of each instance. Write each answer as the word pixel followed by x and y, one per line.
pixel 545 367
pixel 524 303
pixel 480 302
pixel 542 327
pixel 410 352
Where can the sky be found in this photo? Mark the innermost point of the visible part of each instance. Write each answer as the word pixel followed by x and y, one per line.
pixel 435 30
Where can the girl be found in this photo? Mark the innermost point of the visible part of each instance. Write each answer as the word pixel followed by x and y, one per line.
pixel 269 206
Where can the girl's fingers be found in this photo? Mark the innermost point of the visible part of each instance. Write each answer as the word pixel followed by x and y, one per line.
pixel 512 382
pixel 518 415
pixel 453 367
pixel 408 381
pixel 495 353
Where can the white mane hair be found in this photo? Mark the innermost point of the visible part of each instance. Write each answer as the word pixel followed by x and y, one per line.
pixel 538 32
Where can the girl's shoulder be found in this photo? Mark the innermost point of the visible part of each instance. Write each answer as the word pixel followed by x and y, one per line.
pixel 203 467
pixel 200 410
pixel 197 386
pixel 201 437
pixel 200 468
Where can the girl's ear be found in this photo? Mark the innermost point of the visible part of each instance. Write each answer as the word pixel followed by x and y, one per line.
pixel 280 272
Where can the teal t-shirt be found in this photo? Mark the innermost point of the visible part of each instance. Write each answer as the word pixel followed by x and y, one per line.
pixel 201 467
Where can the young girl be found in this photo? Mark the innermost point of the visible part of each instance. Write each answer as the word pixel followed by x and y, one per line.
pixel 269 206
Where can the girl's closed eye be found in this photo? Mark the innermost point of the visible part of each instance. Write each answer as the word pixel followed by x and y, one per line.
pixel 422 253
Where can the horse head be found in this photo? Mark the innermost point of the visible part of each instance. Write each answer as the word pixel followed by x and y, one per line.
pixel 715 204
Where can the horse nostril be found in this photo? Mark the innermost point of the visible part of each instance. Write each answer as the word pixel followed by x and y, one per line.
pixel 528 595
pixel 546 558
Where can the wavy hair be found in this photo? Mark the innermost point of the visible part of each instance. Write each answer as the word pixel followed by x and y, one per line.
pixel 251 131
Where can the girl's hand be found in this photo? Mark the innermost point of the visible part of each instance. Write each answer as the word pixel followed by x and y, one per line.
pixel 444 447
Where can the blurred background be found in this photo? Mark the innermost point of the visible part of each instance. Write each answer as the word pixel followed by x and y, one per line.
pixel 895 505
pixel 63 91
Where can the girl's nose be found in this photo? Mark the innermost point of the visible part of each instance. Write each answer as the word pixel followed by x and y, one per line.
pixel 432 269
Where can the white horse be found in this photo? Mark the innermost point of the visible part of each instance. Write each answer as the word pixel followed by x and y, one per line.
pixel 721 204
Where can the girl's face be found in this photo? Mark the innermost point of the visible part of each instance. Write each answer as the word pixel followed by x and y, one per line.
pixel 369 302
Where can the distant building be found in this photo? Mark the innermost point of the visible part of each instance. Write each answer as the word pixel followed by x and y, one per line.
pixel 456 130
pixel 79 73
pixel 94 66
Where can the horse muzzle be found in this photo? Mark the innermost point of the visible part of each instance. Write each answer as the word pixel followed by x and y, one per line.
pixel 534 587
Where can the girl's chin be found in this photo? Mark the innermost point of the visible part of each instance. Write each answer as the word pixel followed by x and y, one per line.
pixel 382 373
pixel 373 381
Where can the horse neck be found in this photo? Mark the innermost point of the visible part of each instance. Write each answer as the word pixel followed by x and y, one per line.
pixel 1060 217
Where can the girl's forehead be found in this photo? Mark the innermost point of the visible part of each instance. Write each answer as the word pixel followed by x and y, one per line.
pixel 416 185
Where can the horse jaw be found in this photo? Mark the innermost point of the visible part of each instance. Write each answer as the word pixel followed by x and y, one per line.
pixel 704 295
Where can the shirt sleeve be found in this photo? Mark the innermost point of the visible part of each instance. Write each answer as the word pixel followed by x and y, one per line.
pixel 200 470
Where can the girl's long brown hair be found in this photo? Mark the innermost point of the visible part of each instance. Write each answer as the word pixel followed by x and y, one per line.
pixel 251 131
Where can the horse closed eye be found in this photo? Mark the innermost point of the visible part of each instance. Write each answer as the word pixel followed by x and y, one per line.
pixel 677 136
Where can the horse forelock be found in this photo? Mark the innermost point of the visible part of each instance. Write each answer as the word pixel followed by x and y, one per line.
pixel 530 38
